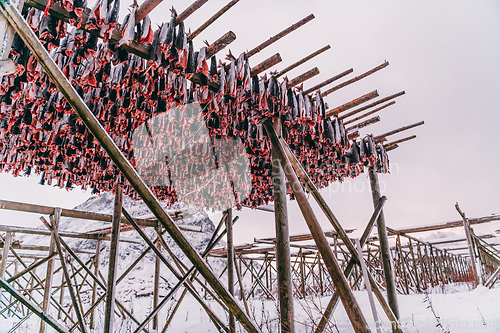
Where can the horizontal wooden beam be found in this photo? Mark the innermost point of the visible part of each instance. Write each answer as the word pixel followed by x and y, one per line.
pixel 383 137
pixel 349 105
pixel 211 20
pixel 357 78
pixel 447 225
pixel 79 214
pixel 265 65
pixel 44 232
pixel 400 141
pixel 301 61
pixel 362 124
pixel 330 80
pixel 277 37
pixel 366 107
pixel 302 77
pixel 350 121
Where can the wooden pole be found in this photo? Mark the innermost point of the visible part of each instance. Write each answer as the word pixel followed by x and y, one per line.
pixel 349 105
pixel 301 61
pixel 347 122
pixel 212 19
pixel 94 287
pixel 5 253
pixel 230 263
pixel 220 44
pixel 469 243
pixel 113 261
pixel 48 283
pixel 363 124
pixel 266 64
pixel 330 80
pixel 400 141
pixel 103 138
pixel 54 228
pixel 340 231
pixel 282 34
pixel 190 10
pixel 156 286
pixel 414 264
pixel 402 263
pixel 382 137
pixel 366 107
pixel 350 304
pixel 357 78
pixel 384 246
pixel 32 307
pixel 283 258
pixel 302 77
pixel 367 285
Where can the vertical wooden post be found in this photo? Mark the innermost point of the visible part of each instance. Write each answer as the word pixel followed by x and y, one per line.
pixel 368 286
pixel 351 306
pixel 5 253
pixel 302 275
pixel 414 264
pixel 384 246
pixel 469 244
pixel 156 290
pixel 402 264
pixel 94 287
pixel 48 281
pixel 113 261
pixel 230 263
pixel 283 258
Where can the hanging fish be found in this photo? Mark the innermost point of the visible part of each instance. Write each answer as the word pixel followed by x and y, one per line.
pixel 168 42
pixel 231 79
pixel 202 66
pixel 128 25
pixel 181 47
pixel 240 67
pixel 110 21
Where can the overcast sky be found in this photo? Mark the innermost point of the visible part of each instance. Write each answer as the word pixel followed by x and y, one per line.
pixel 444 54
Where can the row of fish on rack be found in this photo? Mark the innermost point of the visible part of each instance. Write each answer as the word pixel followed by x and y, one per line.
pixel 39 132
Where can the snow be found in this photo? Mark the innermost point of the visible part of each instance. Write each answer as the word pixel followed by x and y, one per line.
pixel 457 308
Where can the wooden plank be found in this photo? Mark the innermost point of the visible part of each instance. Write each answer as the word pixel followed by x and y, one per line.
pixel 5 253
pixel 32 307
pixel 347 122
pixel 470 245
pixel 383 137
pixel 212 19
pixel 96 260
pixel 113 261
pixel 349 105
pixel 350 304
pixel 283 259
pixel 265 65
pixel 302 77
pixel 301 61
pixel 103 138
pixel 327 82
pixel 277 37
pixel 145 8
pixel 190 10
pixel 363 124
pixel 230 263
pixel 220 44
pixel 357 78
pixel 384 246
pixel 400 141
pixel 380 101
pixel 47 290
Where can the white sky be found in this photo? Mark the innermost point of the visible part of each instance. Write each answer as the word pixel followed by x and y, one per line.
pixel 444 54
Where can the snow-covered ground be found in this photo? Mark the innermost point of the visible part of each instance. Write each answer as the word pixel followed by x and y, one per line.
pixel 457 310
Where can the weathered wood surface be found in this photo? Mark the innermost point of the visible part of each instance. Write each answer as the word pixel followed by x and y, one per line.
pixel 363 124
pixel 350 304
pixel 400 141
pixel 211 20
pixel 357 78
pixel 302 77
pixel 383 137
pixel 301 61
pixel 328 81
pixel 366 107
pixel 347 122
pixel 349 105
pixel 266 64
pixel 277 37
